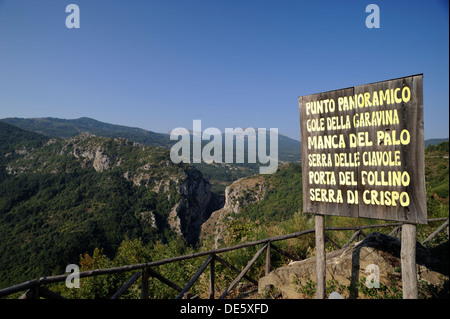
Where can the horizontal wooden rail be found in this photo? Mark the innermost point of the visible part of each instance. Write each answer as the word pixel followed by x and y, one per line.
pixel 145 270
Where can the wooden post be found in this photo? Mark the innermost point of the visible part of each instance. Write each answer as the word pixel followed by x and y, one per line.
pixel 408 259
pixel 268 266
pixel 211 277
pixel 320 257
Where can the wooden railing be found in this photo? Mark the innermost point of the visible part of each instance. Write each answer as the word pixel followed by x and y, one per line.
pixel 35 290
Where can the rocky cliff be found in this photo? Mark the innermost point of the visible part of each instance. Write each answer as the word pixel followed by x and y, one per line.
pixel 188 215
pixel 245 191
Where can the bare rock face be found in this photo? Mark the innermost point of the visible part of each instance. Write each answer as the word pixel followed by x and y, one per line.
pixel 91 154
pixel 349 265
pixel 101 162
pixel 187 216
pixel 174 218
pixel 243 192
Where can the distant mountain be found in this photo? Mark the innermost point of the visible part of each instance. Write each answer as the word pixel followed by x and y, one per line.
pixel 435 141
pixel 12 137
pixel 288 149
pixel 55 127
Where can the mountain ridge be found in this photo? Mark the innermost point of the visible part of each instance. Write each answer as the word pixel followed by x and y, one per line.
pixel 65 128
pixel 73 127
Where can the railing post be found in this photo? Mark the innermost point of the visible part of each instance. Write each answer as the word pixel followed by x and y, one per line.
pixel 447 227
pixel 268 265
pixel 212 277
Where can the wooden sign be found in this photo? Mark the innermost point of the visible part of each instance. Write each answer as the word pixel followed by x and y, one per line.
pixel 363 151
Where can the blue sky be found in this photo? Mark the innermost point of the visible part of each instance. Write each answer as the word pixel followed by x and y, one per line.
pixel 161 64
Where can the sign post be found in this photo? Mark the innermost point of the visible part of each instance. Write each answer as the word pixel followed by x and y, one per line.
pixel 408 259
pixel 363 156
pixel 321 263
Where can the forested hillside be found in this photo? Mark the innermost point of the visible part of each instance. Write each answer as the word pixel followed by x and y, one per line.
pixel 61 198
pixel 437 178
